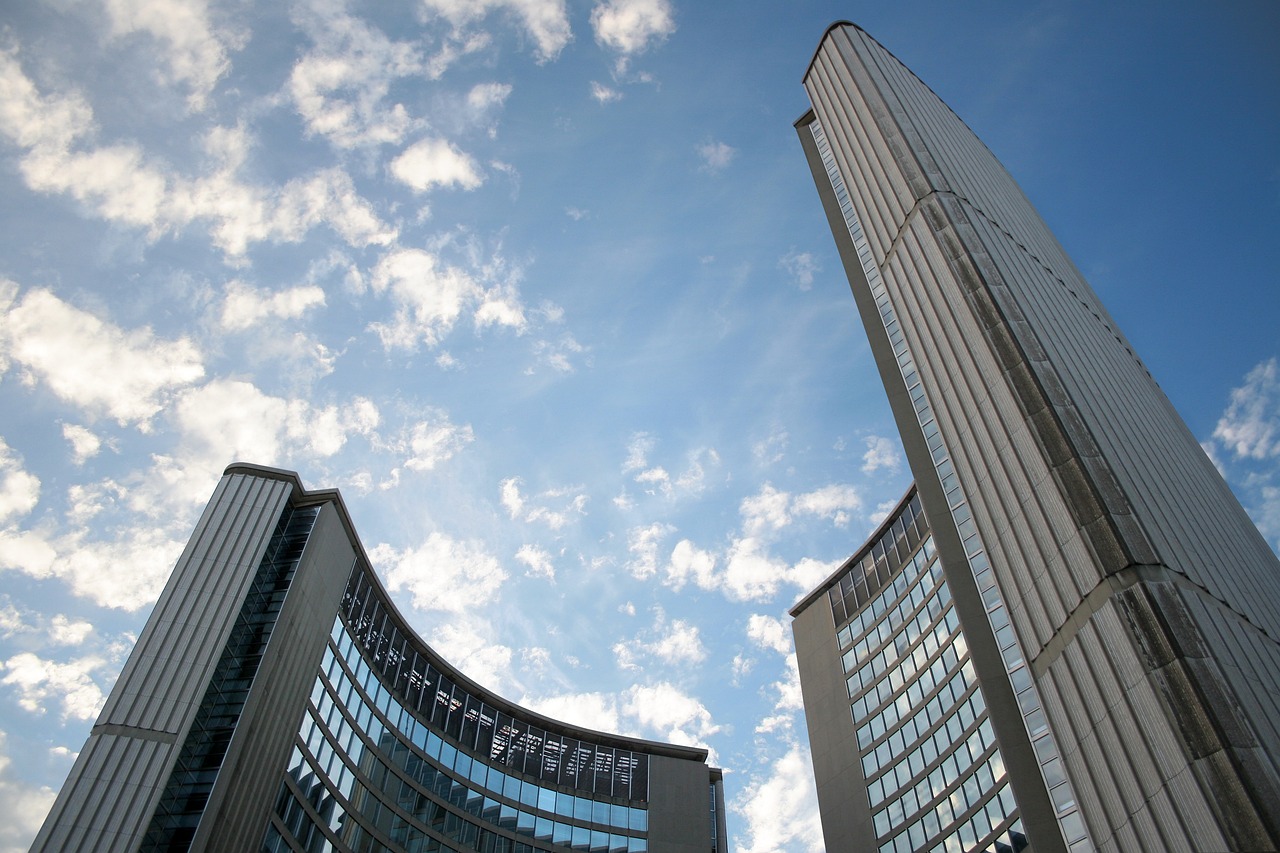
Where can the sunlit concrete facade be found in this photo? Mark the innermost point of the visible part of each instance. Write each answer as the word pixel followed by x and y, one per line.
pixel 1120 610
pixel 277 701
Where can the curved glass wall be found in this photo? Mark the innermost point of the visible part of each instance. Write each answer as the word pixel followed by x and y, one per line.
pixel 394 754
pixel 935 778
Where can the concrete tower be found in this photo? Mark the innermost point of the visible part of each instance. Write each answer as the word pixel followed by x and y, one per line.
pixel 1122 612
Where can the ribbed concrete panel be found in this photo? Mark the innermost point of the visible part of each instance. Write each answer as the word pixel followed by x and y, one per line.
pixel 151 707
pixel 244 796
pixel 1093 499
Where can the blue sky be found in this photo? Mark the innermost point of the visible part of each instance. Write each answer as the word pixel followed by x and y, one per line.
pixel 544 287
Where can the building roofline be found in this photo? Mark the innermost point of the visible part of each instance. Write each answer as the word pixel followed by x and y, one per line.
pixel 834 25
pixel 302 495
pixel 857 555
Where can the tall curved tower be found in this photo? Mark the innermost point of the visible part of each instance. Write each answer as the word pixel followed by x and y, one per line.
pixel 1120 609
pixel 277 701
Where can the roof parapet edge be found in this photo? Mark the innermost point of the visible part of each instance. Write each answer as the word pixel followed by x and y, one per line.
pixel 302 494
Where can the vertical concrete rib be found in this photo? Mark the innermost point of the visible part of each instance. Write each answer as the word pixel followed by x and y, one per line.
pixel 1110 521
pixel 148 713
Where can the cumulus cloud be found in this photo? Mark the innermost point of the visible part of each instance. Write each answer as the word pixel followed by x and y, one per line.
pixel 751 572
pixel 340 86
pixel 769 632
pixel 659 711
pixel 244 306
pixel 691 564
pixel 632 26
pixel 22 807
pixel 537 560
pixel 19 489
pixel 715 156
pixel 467 644
pixel 429 296
pixel 434 440
pixel 604 94
pixel 1250 427
pixel 642 543
pixel 545 21
pixel 675 643
pixel 779 807
pixel 68 687
pixel 432 163
pixel 192 49
pixel 882 453
pixel 771 449
pixel 84 443
pixel 834 502
pixel 801 266
pixel 555 508
pixel 91 363
pixel 119 185
pixel 558 355
pixel 442 573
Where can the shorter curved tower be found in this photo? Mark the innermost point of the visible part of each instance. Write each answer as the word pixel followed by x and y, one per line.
pixel 277 701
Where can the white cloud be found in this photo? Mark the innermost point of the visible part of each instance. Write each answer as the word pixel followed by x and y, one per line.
pixel 193 49
pixel 84 444
pixel 467 644
pixel 769 632
pixel 1250 427
pixel 659 711
pixel 436 440
pixel 638 450
pixel 19 489
pixel 558 354
pixel 751 573
pixel 664 711
pixel 715 156
pixel 674 644
pixel 604 94
pixel 642 542
pixel 596 711
pixel 779 807
pixel 801 266
pixel 511 499
pixel 538 561
pixel 117 184
pixel 67 632
pixel 430 296
pixel 766 512
pixel 546 21
pixel 69 686
pixel 432 163
pixel 881 453
pixel 690 563
pixel 771 449
pixel 93 364
pixel 881 512
pixel 483 101
pixel 340 86
pixel 22 808
pixel 693 480
pixel 244 306
pixel 632 26
pixel 570 503
pixel 834 501
pixel 442 573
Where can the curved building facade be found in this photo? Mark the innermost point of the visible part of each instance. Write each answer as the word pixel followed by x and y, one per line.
pixel 902 741
pixel 1120 611
pixel 278 701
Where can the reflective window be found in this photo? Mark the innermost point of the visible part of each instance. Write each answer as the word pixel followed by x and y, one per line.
pixel 364 770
